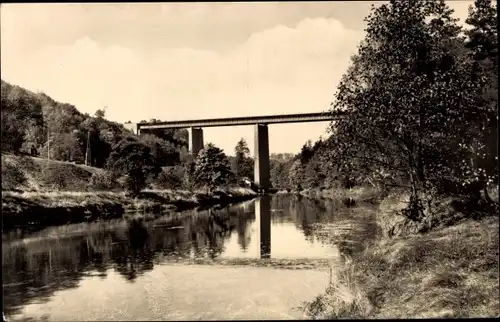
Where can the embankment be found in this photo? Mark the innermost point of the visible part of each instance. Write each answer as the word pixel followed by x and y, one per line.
pixel 446 266
pixel 38 192
pixel 56 208
pixel 357 194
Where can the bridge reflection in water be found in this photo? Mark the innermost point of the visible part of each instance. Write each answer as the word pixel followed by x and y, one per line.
pixel 263 217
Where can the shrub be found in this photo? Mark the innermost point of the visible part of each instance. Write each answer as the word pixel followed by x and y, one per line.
pixel 103 181
pixel 12 177
pixel 134 160
pixel 54 176
pixel 212 168
pixel 170 178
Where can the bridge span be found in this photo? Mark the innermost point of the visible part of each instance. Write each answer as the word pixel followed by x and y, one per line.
pixel 261 152
pixel 234 121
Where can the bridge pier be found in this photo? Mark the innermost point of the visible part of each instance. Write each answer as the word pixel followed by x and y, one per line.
pixel 133 127
pixel 195 140
pixel 261 167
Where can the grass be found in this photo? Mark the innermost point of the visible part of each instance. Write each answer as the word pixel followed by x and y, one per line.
pixel 61 207
pixel 449 272
pixel 45 192
pixel 28 173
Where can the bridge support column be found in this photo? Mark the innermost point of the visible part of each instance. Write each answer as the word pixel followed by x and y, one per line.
pixel 261 170
pixel 133 127
pixel 195 140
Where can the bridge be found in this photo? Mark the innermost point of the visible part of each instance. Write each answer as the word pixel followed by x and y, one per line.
pixel 195 127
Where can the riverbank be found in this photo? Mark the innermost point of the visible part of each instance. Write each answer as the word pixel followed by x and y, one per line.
pixel 61 207
pixel 38 192
pixel 444 267
pixel 357 194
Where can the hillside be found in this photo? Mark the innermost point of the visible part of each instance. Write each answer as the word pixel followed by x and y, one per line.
pixel 39 192
pixel 34 122
pixel 26 173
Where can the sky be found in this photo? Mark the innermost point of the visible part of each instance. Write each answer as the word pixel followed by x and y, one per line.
pixel 178 61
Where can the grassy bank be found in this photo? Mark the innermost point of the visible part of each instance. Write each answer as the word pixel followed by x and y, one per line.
pixel 445 267
pixel 55 208
pixel 39 192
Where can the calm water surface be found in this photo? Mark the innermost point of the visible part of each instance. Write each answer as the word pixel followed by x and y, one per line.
pixel 176 267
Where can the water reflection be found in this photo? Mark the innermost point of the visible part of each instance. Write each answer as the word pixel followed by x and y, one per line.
pixel 58 258
pixel 263 215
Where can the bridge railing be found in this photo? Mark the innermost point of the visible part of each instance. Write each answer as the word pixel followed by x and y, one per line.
pixel 249 120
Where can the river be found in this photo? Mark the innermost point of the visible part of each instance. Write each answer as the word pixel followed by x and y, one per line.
pixel 260 259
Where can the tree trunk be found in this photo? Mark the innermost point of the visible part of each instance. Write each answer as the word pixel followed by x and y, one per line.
pixel 415 210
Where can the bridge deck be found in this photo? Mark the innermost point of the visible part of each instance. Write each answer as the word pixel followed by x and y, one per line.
pixel 248 120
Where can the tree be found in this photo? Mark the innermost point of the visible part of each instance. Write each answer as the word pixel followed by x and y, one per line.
pixel 20 111
pixel 64 147
pixel 296 174
pixel 482 41
pixel 212 167
pixel 163 151
pixel 99 114
pixel 134 159
pixel 279 174
pixel 171 177
pixel 242 164
pixel 33 135
pixel 306 152
pixel 408 97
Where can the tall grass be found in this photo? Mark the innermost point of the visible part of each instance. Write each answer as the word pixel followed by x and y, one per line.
pixel 451 272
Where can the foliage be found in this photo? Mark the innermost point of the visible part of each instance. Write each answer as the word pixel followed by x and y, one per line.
pixel 65 146
pixel 296 175
pixel 31 119
pixel 20 111
pixel 163 151
pixel 482 41
pixel 281 157
pixel 242 164
pixel 407 126
pixel 279 173
pixel 212 167
pixel 54 176
pixel 12 177
pixel 134 159
pixel 103 180
pixel 171 177
pixel 410 99
pixel 189 177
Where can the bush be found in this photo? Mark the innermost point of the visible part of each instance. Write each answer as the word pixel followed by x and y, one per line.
pixel 54 176
pixel 103 181
pixel 212 168
pixel 134 160
pixel 170 178
pixel 12 177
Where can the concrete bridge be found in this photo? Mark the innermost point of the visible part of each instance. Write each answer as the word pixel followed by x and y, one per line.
pixel 195 127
